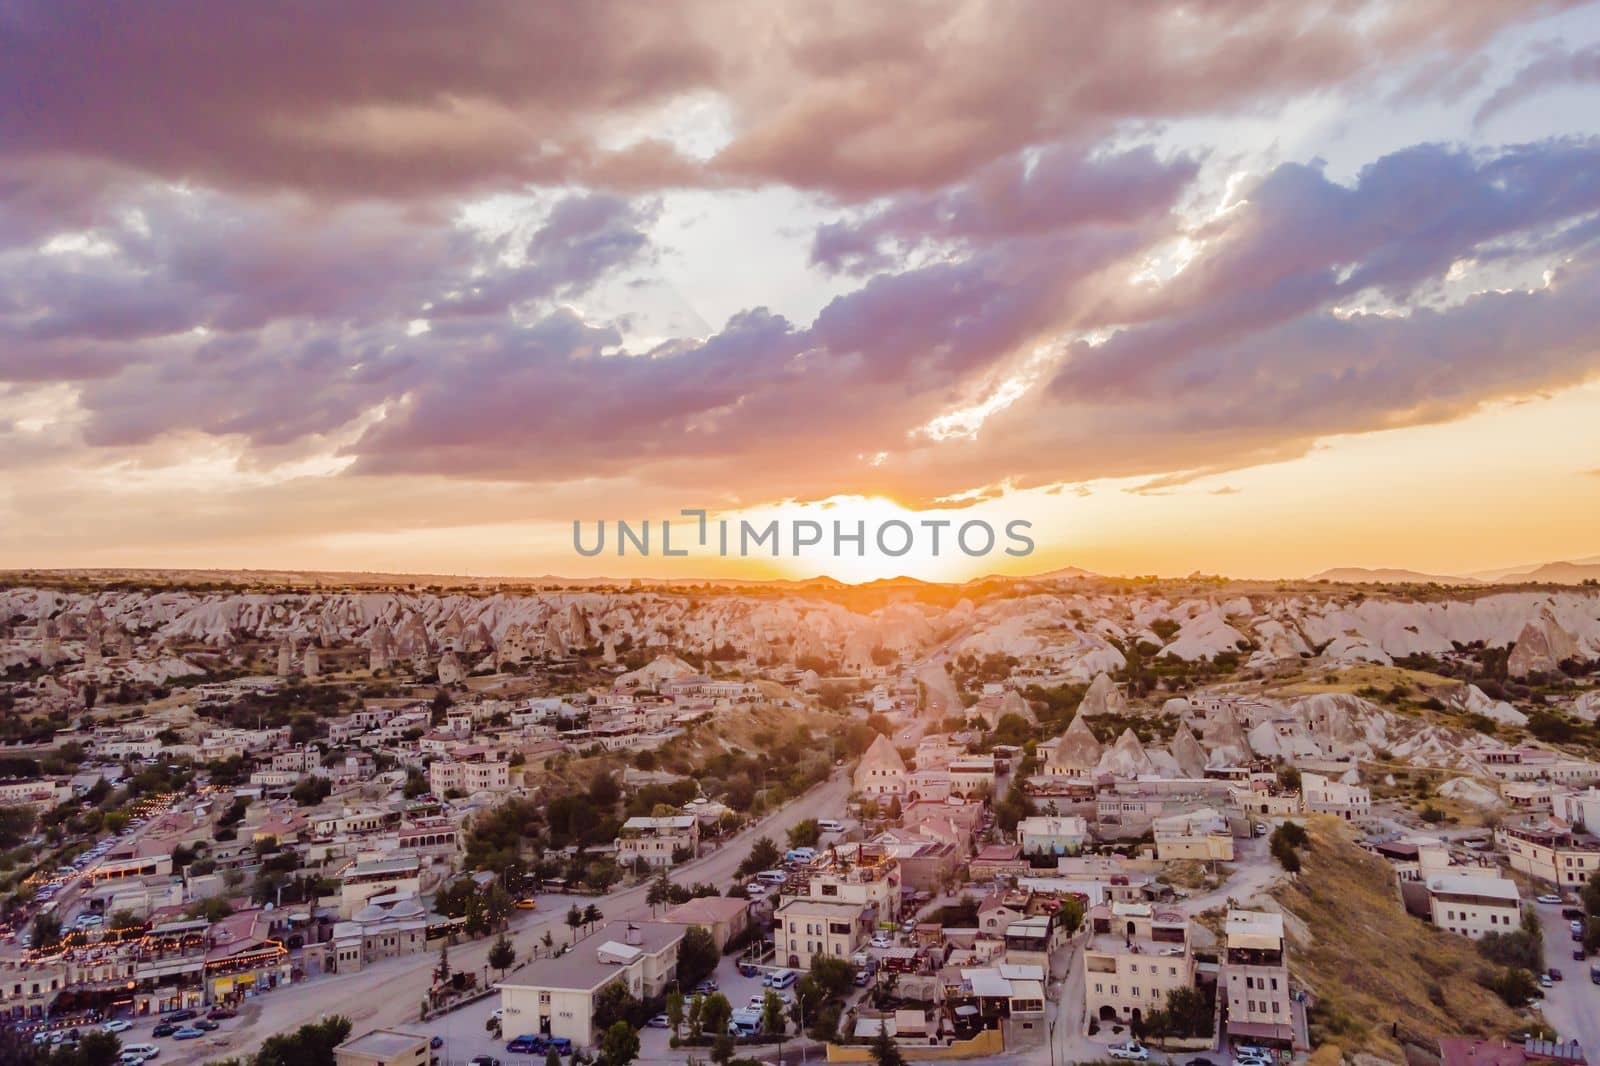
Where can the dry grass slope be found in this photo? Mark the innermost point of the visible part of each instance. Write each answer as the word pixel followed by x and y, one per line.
pixel 1370 963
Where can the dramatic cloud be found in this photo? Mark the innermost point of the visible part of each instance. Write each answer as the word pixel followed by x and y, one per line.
pixel 405 98
pixel 1552 68
pixel 410 243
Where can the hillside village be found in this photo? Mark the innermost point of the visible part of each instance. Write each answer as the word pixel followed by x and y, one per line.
pixel 1061 819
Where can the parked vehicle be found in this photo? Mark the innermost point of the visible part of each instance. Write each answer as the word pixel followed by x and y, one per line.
pixel 144 1051
pixel 188 1033
pixel 830 825
pixel 772 877
pixel 180 1015
pixel 527 903
pixel 1131 1050
pixel 881 941
pixel 117 1025
pixel 1545 981
pixel 221 1014
pixel 800 855
pixel 483 1060
pixel 523 1045
pixel 1549 898
pixel 659 1022
pixel 781 979
pixel 206 1025
pixel 164 1029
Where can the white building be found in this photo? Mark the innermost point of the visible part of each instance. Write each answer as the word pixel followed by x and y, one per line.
pixel 1323 795
pixel 1474 904
pixel 555 996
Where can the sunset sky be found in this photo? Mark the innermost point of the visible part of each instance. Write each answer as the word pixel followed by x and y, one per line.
pixel 1237 287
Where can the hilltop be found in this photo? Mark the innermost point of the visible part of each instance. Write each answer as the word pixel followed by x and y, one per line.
pixel 1369 964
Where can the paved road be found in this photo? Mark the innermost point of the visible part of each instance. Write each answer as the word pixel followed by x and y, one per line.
pixel 1572 1007
pixel 391 992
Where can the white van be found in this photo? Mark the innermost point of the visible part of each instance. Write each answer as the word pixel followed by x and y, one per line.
pixel 772 877
pixel 829 825
pixel 800 855
pixel 784 978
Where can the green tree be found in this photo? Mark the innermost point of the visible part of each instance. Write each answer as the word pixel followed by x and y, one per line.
pixel 620 1045
pixel 441 972
pixel 885 1052
pixel 722 1049
pixel 715 1013
pixel 834 976
pixel 805 835
pixel 46 931
pixel 772 1014
pixel 764 855
pixel 552 1057
pixel 675 1010
pixel 660 891
pixel 310 1045
pixel 502 955
pixel 125 919
pixel 697 956
pixel 696 1017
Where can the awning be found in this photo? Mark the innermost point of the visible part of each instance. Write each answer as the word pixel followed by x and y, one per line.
pixel 1262 1031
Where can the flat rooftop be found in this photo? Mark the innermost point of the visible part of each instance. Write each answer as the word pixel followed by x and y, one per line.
pixel 383 1043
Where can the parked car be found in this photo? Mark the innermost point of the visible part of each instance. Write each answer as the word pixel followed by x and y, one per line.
pixel 117 1025
pixel 523 1045
pixel 188 1033
pixel 164 1029
pixel 1131 1050
pixel 708 986
pixel 144 1051
pixel 527 903
pixel 1549 898
pixel 221 1014
pixel 1545 981
pixel 862 978
pixel 830 825
pixel 881 941
pixel 659 1022
pixel 180 1015
pixel 436 1043
pixel 1555 974
pixel 483 1060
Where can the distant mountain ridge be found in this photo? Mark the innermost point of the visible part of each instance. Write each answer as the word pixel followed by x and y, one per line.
pixel 1360 575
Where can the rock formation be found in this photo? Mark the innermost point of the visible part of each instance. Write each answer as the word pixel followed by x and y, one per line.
pixel 1103 697
pixel 285 657
pixel 1077 752
pixel 313 660
pixel 380 648
pixel 1541 647
pixel 1187 752
pixel 450 671
pixel 1127 758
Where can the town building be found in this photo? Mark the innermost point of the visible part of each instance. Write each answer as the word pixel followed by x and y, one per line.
pixel 1549 854
pixel 383 1047
pixel 1474 905
pixel 1254 979
pixel 1052 834
pixel 881 772
pixel 661 841
pixel 809 928
pixel 556 996
pixel 1322 795
pixel 1135 955
pixel 1202 835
